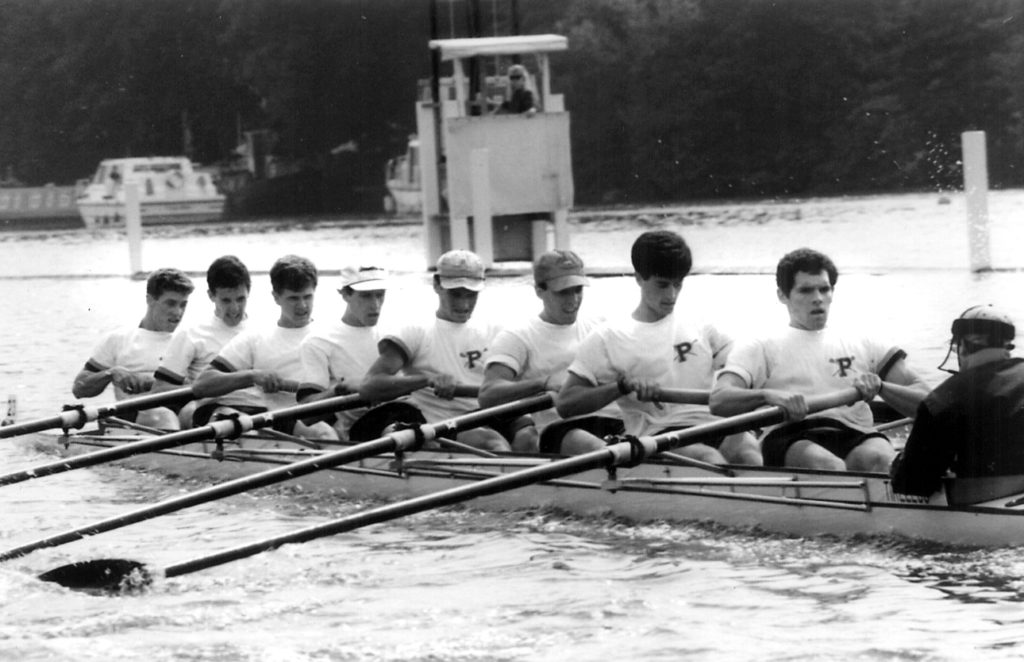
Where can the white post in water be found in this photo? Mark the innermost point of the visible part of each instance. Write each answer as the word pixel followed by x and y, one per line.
pixel 11 417
pixel 133 225
pixel 976 190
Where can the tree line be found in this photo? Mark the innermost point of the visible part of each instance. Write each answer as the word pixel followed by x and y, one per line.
pixel 670 99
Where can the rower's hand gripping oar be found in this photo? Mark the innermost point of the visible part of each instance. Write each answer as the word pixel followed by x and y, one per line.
pixel 117 573
pixel 226 428
pixel 401 440
pixel 75 416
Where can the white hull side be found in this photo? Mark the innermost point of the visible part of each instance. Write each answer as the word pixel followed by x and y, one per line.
pixel 847 505
pixel 112 214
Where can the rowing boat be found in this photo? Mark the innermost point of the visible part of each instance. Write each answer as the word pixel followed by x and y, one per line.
pixel 787 501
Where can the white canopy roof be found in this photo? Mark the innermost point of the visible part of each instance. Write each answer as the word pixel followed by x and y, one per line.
pixel 455 49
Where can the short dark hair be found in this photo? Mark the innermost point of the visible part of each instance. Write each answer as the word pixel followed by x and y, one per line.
pixel 227 271
pixel 661 253
pixel 806 260
pixel 292 272
pixel 168 280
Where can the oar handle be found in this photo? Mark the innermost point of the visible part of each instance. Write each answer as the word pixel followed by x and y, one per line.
pixel 685 396
pixel 147 401
pixel 75 416
pixel 216 429
pixel 400 440
pixel 892 425
pixel 753 419
pixel 466 391
pixel 616 454
pixel 483 416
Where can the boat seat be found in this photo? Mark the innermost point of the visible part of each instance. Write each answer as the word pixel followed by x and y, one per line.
pixel 969 491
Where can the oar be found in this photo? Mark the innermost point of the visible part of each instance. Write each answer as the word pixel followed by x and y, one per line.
pixel 396 441
pixel 685 396
pixel 891 425
pixel 229 427
pixel 75 416
pixel 116 574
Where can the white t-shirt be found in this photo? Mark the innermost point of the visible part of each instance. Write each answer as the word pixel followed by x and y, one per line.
pixel 811 363
pixel 535 349
pixel 669 352
pixel 276 350
pixel 192 348
pixel 339 352
pixel 132 348
pixel 444 347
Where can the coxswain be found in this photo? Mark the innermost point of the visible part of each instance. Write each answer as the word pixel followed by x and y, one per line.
pixel 971 425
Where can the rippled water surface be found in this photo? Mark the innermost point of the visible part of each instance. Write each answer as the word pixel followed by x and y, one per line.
pixel 465 585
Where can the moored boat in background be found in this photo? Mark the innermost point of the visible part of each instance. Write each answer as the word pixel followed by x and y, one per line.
pixel 39 207
pixel 46 207
pixel 171 190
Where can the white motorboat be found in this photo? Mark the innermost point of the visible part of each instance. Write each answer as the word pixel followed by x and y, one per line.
pixel 170 188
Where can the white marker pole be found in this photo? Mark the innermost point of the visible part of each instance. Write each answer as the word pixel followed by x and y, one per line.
pixel 11 417
pixel 133 226
pixel 480 185
pixel 976 190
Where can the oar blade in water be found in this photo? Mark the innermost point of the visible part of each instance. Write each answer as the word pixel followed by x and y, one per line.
pixel 101 576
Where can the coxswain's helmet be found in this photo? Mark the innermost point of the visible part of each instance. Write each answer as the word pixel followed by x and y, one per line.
pixel 984 320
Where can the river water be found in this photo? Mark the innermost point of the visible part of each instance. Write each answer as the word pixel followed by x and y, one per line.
pixel 533 585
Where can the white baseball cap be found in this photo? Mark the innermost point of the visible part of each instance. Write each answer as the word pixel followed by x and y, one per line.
pixel 361 279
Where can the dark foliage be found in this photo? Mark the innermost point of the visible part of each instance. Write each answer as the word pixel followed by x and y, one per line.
pixel 671 99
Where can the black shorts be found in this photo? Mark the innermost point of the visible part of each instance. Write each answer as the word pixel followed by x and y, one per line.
pixel 834 436
pixel 372 423
pixel 508 426
pixel 599 426
pixel 202 415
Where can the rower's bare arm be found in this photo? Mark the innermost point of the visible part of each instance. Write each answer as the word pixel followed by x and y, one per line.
pixel 903 389
pixel 578 396
pixel 501 386
pixel 382 380
pixel 89 383
pixel 730 397
pixel 213 382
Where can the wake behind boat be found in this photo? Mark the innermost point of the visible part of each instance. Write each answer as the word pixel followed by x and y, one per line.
pixel 171 190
